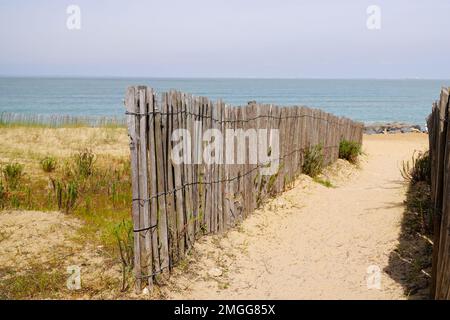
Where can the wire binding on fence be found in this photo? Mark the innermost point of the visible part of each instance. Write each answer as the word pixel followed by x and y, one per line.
pixel 145 229
pixel 235 120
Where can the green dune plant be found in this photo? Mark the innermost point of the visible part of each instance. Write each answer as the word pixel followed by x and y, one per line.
pixel 12 172
pixel 66 194
pixel 418 169
pixel 48 164
pixel 314 161
pixel 84 163
pixel 350 150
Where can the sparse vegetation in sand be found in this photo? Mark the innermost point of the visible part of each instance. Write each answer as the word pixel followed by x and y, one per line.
pixel 350 150
pixel 91 184
pixel 325 182
pixel 123 233
pixel 411 262
pixel 418 169
pixel 37 281
pixel 48 164
pixel 12 173
pixel 314 161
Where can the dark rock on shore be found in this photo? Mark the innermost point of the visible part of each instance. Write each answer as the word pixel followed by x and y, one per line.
pixel 394 127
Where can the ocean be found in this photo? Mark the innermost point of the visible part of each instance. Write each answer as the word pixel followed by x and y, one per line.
pixel 368 101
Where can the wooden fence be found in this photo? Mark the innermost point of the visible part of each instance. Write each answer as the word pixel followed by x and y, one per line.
pixel 174 204
pixel 58 120
pixel 439 137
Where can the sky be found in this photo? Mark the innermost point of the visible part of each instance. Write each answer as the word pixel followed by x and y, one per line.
pixel 226 38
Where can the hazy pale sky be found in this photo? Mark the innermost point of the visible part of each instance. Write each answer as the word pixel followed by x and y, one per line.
pixel 226 38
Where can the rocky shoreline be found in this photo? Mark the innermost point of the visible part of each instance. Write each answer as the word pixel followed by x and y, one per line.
pixel 393 127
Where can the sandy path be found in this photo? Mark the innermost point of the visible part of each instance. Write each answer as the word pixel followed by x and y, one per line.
pixel 312 241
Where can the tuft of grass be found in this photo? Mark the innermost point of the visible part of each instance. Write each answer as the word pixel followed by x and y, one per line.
pixel 34 283
pixel 84 163
pixel 12 172
pixel 350 150
pixel 314 161
pixel 48 164
pixel 271 184
pixel 66 194
pixel 324 182
pixel 418 169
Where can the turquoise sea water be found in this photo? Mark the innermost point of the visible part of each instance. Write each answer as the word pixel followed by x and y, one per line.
pixel 363 100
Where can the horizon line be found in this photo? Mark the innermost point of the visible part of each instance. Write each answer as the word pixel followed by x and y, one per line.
pixel 5 76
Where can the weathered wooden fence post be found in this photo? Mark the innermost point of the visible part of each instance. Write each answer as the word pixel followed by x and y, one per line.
pixel 439 138
pixel 133 132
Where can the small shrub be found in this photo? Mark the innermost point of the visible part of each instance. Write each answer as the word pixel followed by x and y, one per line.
pixel 123 233
pixel 418 169
pixel 68 170
pixel 13 173
pixel 350 150
pixel 66 194
pixel 48 164
pixel 314 161
pixel 84 163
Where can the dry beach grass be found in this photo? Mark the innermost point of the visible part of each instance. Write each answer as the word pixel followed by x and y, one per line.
pixel 40 245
